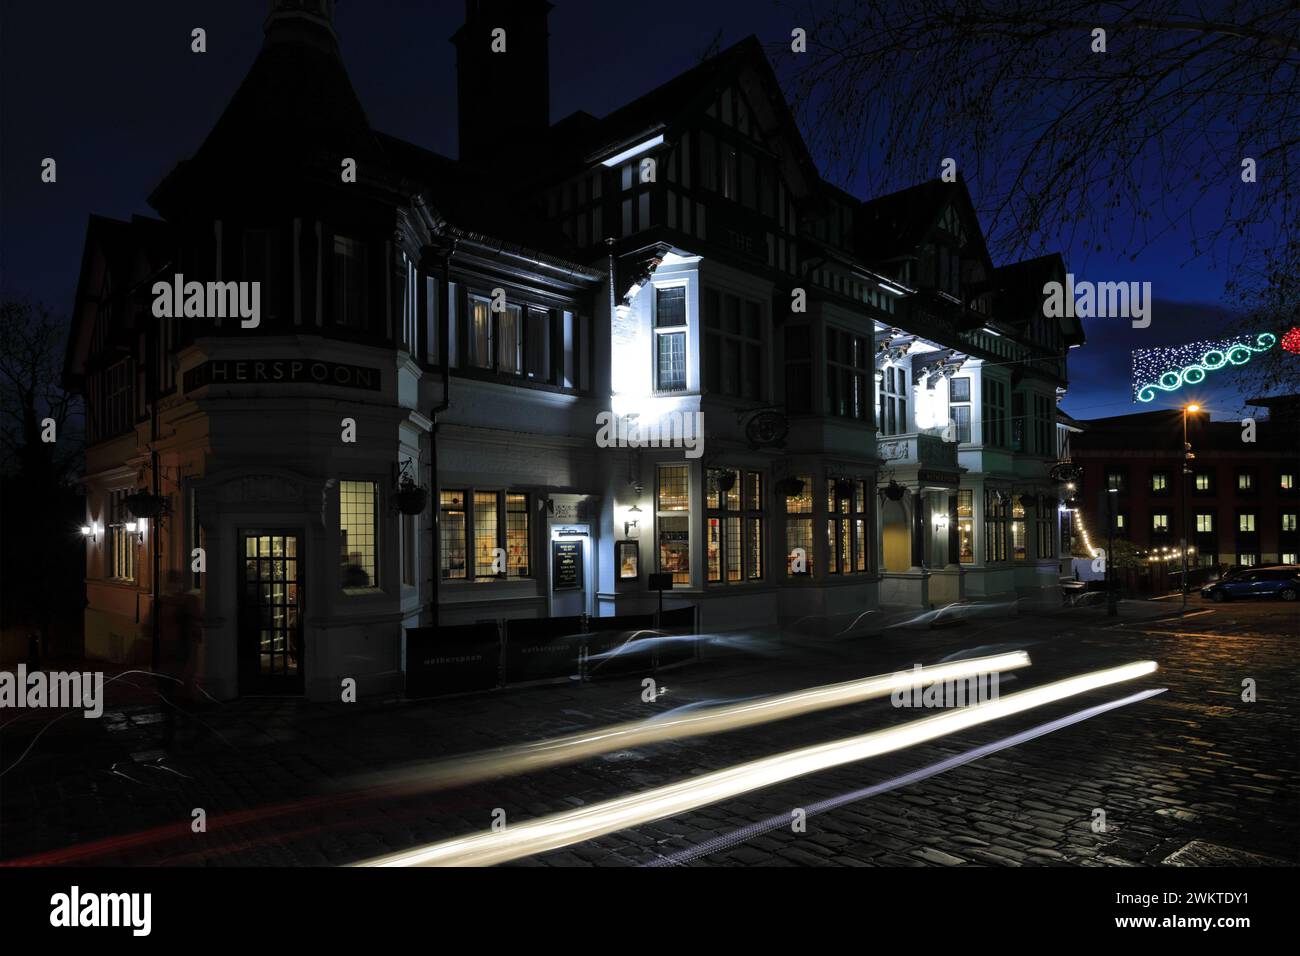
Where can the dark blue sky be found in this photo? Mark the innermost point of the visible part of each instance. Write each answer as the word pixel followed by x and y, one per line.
pixel 117 98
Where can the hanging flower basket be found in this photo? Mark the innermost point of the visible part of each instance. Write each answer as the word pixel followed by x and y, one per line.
pixel 791 487
pixel 894 491
pixel 145 504
pixel 844 487
pixel 410 498
pixel 726 480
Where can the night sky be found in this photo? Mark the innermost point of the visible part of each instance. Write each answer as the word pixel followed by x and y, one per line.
pixel 117 99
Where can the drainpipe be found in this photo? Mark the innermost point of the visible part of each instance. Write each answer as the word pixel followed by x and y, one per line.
pixel 444 254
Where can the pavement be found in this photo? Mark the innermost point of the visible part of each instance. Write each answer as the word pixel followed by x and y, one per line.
pixel 1193 776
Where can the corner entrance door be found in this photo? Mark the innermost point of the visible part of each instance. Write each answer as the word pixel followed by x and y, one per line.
pixel 270 613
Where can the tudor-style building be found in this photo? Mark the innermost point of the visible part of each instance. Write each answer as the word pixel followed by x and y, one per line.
pixel 467 323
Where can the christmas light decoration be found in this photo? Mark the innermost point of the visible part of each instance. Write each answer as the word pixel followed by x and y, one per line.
pixel 1291 340
pixel 1169 369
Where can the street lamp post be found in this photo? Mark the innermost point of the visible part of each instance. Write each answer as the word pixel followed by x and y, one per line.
pixel 1182 524
pixel 1112 496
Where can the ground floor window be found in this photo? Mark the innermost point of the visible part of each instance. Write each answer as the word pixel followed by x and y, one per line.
pixel 798 526
pixel 1247 559
pixel 1046 543
pixel 1289 557
pixel 733 525
pixel 673 521
pixel 120 544
pixel 1019 548
pixel 497 524
pixel 965 526
pixel 846 525
pixel 996 506
pixel 359 533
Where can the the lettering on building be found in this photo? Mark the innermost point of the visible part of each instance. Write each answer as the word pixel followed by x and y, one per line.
pixel 281 372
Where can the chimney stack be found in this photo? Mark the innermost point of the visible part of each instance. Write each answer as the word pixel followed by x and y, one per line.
pixel 503 77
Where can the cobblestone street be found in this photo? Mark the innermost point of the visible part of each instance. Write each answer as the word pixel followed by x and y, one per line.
pixel 1194 775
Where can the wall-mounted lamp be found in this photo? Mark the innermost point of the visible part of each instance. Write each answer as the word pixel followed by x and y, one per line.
pixel 90 531
pixel 632 526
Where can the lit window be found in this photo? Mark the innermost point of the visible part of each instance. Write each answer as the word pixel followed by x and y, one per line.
pixel 965 526
pixel 670 338
pixel 120 544
pixel 734 525
pixel 1019 550
pixel 358 533
pixel 1204 523
pixel 1286 481
pixel 496 522
pixel 846 525
pixel 799 528
pixel 1159 481
pixel 1246 521
pixel 1288 522
pixel 1203 482
pixel 1160 522
pixel 672 516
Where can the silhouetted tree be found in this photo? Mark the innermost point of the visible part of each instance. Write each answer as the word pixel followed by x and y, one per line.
pixel 1065 143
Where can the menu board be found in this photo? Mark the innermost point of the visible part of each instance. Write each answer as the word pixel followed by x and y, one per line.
pixel 566 565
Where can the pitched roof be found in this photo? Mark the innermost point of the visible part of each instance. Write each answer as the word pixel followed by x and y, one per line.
pixel 580 138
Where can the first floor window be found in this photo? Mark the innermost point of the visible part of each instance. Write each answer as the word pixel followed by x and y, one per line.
pixel 847 370
pixel 1289 522
pixel 673 519
pixel 1160 522
pixel 358 533
pixel 1159 481
pixel 349 273
pixel 1246 522
pixel 496 522
pixel 965 526
pixel 1204 523
pixel 670 338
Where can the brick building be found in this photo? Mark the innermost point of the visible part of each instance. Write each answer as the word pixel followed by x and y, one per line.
pixel 1242 497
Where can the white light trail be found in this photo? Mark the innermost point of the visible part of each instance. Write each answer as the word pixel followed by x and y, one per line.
pixel 524 758
pixel 575 826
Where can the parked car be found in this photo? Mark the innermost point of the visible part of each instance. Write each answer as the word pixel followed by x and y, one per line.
pixel 1279 581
